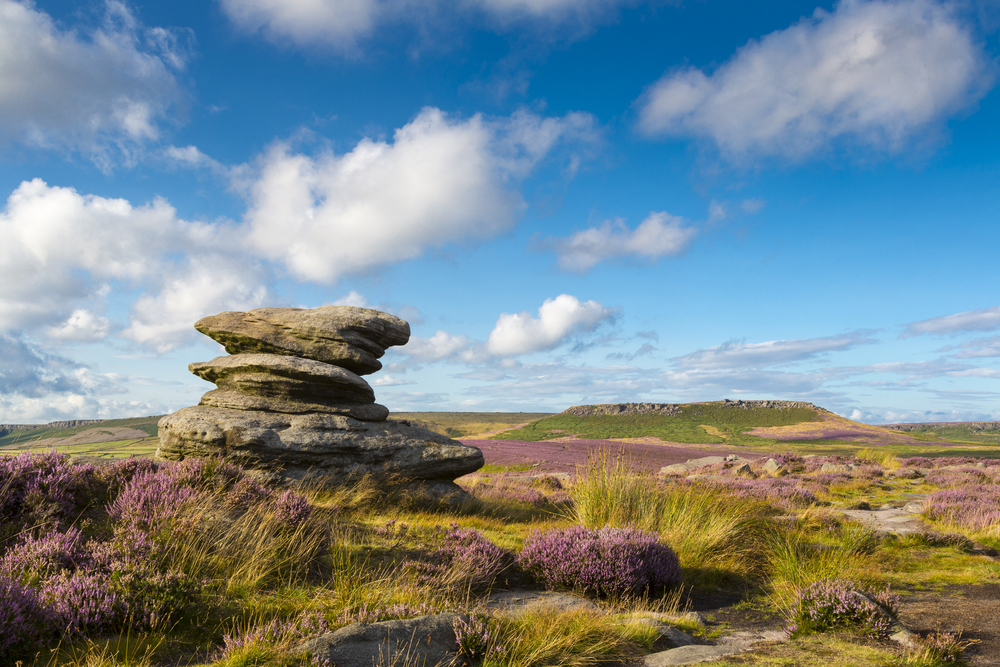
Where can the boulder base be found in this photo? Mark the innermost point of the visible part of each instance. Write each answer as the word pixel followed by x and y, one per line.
pixel 325 449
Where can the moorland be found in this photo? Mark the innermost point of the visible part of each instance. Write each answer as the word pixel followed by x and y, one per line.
pixel 795 531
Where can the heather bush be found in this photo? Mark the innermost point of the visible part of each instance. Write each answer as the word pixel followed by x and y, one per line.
pixel 837 604
pixel 973 508
pixel 33 559
pixel 457 559
pixel 82 602
pixel 245 494
pixel 147 507
pixel 291 509
pixel 41 489
pixel 605 562
pixel 780 491
pixel 23 619
pixel 479 637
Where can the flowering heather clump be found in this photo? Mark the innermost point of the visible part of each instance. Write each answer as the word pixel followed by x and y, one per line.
pixel 22 617
pixel 839 604
pixel 205 474
pixel 953 479
pixel 780 491
pixel 245 494
pixel 606 561
pixel 147 504
pixel 975 508
pixel 41 488
pixel 81 602
pixel 477 557
pixel 33 559
pixel 291 508
pixel 477 637
pixel 117 474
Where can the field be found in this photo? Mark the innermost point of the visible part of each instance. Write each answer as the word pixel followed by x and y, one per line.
pixel 124 561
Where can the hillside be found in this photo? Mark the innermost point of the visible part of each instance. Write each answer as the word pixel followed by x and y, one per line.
pixel 107 438
pixel 776 424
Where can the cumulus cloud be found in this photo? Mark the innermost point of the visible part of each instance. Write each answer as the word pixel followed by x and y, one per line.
pixel 984 319
pixel 659 235
pixel 352 299
pixel 82 326
pixel 736 354
pixel 28 371
pixel 442 345
pixel 60 249
pixel 875 73
pixel 343 24
pixel 439 181
pixel 81 89
pixel 558 319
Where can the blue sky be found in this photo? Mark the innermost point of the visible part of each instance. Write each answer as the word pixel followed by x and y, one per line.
pixel 571 201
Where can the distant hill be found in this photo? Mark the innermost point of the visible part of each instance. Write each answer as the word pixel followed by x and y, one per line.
pixel 965 432
pixel 736 423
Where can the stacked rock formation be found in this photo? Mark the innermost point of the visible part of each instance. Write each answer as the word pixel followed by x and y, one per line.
pixel 291 404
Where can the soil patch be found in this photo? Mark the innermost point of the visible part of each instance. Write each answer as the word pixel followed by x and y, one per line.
pixel 973 610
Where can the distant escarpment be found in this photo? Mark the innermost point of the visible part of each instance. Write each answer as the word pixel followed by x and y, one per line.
pixel 674 409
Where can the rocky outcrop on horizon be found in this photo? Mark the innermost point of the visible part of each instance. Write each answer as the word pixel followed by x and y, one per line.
pixel 674 409
pixel 291 405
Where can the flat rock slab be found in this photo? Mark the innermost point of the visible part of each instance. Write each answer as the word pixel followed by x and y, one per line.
pixel 747 638
pixel 689 655
pixel 514 600
pixel 353 338
pixel 427 641
pixel 891 520
pixel 285 377
pixel 234 400
pixel 326 449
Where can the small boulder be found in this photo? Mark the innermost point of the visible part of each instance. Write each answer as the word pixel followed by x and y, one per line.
pixel 774 468
pixel 836 468
pixel 426 640
pixel 744 470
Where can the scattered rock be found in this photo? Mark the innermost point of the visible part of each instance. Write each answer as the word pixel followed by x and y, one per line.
pixel 775 469
pixel 691 464
pixel 519 599
pixel 689 655
pixel 744 470
pixel 426 640
pixel 836 468
pixel 676 637
pixel 747 638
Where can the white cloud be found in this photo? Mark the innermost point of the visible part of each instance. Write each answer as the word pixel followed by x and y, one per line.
pixel 60 250
pixel 342 24
pixel 442 345
pixel 984 319
pixel 390 381
pixel 439 181
pixel 192 157
pixel 352 299
pixel 558 319
pixel 659 235
pixel 875 73
pixel 978 348
pixel 82 326
pixel 928 369
pixel 207 285
pixel 769 353
pixel 87 90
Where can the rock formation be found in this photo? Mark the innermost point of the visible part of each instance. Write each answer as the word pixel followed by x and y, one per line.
pixel 291 406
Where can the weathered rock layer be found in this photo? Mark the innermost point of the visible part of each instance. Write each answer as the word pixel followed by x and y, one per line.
pixel 291 407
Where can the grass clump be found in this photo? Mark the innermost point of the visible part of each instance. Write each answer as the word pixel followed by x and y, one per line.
pixel 708 530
